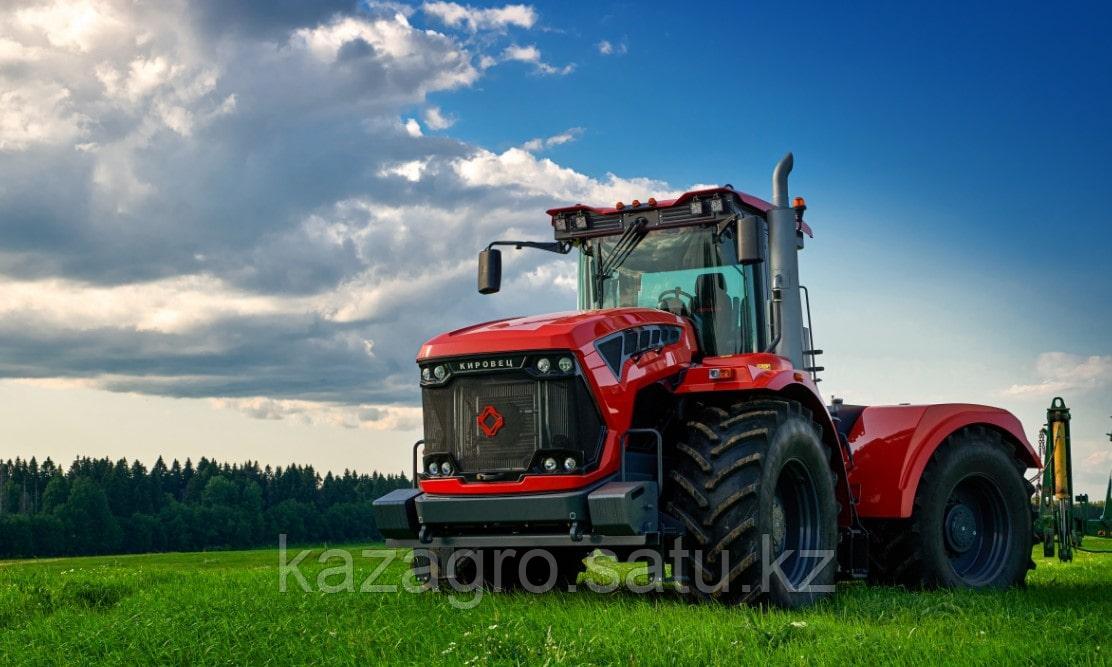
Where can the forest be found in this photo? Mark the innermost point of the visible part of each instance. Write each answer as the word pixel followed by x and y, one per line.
pixel 98 506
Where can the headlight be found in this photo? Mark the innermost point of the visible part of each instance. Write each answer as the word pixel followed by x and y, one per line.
pixel 566 364
pixel 446 468
pixel 569 464
pixel 433 469
pixel 440 372
pixel 581 220
pixel 544 365
pixel 426 373
pixel 550 464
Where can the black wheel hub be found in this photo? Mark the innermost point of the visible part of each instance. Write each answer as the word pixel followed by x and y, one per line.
pixel 976 530
pixel 961 528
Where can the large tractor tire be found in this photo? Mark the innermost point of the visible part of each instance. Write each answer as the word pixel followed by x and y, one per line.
pixel 449 569
pixel 970 526
pixel 754 487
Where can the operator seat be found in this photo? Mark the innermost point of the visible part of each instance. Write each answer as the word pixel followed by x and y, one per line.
pixel 674 305
pixel 714 314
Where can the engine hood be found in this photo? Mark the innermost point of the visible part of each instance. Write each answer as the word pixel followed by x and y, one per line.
pixel 570 330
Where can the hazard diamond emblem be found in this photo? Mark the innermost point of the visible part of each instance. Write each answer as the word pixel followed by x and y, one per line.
pixel 490 421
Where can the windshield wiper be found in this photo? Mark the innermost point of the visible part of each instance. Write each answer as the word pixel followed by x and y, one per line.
pixel 622 248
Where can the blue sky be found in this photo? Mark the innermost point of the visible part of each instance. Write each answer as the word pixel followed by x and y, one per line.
pixel 243 224
pixel 975 130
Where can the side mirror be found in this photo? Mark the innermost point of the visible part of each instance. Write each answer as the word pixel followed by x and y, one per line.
pixel 490 271
pixel 750 249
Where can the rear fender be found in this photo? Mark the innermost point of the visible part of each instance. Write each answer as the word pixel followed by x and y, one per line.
pixel 892 445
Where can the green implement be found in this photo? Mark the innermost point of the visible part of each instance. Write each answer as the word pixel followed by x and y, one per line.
pixel 1055 523
pixel 1059 521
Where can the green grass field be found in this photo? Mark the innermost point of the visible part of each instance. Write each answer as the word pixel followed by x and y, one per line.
pixel 225 608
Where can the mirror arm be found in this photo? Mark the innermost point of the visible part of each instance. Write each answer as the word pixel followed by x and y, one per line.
pixel 559 247
pixel 724 224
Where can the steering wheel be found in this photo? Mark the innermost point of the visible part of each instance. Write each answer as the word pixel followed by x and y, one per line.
pixel 674 293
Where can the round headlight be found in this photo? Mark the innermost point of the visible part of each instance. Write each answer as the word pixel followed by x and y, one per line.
pixel 544 365
pixel 426 373
pixel 550 464
pixel 565 364
pixel 446 468
pixel 440 372
pixel 569 464
pixel 433 469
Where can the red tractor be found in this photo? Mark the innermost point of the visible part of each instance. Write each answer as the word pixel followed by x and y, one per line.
pixel 677 413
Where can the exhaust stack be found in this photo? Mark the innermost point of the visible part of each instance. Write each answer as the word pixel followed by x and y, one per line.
pixel 784 266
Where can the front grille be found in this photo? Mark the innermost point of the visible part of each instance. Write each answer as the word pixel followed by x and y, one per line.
pixel 553 416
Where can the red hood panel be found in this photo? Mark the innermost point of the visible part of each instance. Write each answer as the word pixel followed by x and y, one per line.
pixel 568 330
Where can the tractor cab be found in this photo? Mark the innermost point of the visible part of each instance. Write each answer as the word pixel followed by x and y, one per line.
pixel 702 256
pixel 689 271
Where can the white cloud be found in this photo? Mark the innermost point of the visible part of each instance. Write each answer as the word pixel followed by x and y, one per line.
pixel 541 143
pixel 608 48
pixel 435 119
pixel 528 54
pixel 12 51
pixel 1098 460
pixel 561 274
pixel 392 37
pixel 38 113
pixel 411 170
pixel 1060 372
pixel 452 15
pixel 393 40
pixel 531 54
pixel 173 305
pixel 70 24
pixel 412 127
pixel 320 413
pixel 520 170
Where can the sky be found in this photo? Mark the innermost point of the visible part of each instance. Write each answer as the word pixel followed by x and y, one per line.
pixel 226 228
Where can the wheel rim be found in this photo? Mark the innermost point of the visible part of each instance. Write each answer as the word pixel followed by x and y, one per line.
pixel 976 530
pixel 796 523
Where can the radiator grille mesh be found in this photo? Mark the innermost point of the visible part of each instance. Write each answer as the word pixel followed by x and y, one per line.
pixel 553 413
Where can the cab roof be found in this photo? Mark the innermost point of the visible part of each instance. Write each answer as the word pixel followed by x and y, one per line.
pixel 755 202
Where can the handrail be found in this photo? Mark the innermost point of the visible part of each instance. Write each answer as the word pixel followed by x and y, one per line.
pixel 415 468
pixel 810 334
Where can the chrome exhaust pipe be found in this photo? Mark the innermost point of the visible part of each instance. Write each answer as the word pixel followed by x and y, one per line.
pixel 780 180
pixel 784 267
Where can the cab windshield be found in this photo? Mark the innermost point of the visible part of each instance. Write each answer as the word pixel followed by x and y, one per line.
pixel 689 271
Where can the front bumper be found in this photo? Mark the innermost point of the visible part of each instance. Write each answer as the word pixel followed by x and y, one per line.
pixel 611 514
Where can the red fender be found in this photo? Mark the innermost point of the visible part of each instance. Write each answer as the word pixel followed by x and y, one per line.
pixel 767 373
pixel 892 445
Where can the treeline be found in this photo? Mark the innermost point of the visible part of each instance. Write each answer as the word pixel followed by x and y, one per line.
pixel 101 507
